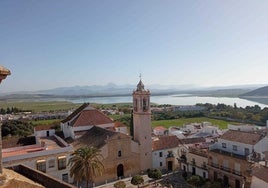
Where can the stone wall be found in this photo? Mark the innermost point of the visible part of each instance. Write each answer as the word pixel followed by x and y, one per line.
pixel 41 177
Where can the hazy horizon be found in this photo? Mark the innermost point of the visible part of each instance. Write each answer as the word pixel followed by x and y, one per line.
pixel 51 44
pixel 150 87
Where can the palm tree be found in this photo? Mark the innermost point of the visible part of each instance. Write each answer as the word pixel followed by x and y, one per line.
pixel 86 164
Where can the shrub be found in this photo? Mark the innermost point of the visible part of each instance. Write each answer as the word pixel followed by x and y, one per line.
pixel 120 184
pixel 137 180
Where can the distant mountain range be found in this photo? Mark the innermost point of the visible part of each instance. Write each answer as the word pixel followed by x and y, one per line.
pixel 257 93
pixel 124 90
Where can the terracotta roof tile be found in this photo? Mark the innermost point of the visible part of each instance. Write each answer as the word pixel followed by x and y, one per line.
pixel 242 137
pixel 44 127
pixel 95 137
pixel 160 128
pixel 75 113
pixel 192 140
pixel 91 117
pixel 165 142
pixel 119 124
pixel 261 173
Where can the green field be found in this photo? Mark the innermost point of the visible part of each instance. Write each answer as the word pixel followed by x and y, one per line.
pixel 45 122
pixel 180 122
pixel 39 106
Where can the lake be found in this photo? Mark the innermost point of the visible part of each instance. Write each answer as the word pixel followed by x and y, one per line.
pixel 172 99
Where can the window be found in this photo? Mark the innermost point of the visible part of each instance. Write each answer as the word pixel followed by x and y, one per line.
pixel 223 145
pixel 204 175
pixel 51 163
pixel 161 164
pixel 61 162
pixel 41 165
pixel 119 153
pixel 160 154
pixel 246 151
pixel 235 147
pixel 135 104
pixel 65 178
pixel 144 105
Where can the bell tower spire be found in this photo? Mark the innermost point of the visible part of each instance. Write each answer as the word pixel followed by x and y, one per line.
pixel 142 124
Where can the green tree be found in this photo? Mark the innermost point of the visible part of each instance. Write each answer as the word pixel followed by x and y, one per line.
pixel 85 164
pixel 154 174
pixel 17 128
pixel 120 184
pixel 196 181
pixel 137 180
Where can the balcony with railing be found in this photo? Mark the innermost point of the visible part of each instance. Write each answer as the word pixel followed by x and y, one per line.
pixel 193 162
pixel 229 154
pixel 225 170
pixel 237 172
pixel 215 165
pixel 204 166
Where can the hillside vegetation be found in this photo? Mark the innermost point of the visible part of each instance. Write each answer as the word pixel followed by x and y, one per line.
pixel 260 92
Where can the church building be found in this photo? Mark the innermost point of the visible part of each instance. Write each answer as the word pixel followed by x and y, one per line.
pixel 124 155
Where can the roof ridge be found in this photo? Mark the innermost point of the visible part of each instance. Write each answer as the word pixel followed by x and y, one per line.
pixel 75 113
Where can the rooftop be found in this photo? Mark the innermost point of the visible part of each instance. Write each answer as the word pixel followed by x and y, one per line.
pixel 160 128
pixel 192 140
pixel 96 137
pixel 14 179
pixel 165 142
pixel 242 137
pixel 119 124
pixel 50 143
pixel 16 142
pixel 86 115
pixel 261 173
pixel 75 113
pixel 44 127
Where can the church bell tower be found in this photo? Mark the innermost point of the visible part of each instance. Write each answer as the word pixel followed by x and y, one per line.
pixel 142 124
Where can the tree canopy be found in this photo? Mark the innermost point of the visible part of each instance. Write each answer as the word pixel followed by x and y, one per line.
pixel 137 180
pixel 16 128
pixel 86 164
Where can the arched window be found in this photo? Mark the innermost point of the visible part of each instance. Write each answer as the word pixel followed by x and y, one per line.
pixel 144 107
pixel 135 104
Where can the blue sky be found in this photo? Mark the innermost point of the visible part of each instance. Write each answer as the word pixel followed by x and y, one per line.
pixel 48 44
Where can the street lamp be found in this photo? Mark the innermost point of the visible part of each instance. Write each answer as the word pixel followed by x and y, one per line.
pixel 3 74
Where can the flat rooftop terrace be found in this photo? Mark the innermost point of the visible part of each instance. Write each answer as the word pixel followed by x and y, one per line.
pixel 47 144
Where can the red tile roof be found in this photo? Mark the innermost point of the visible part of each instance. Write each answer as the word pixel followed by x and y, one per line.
pixel 44 127
pixel 75 113
pixel 119 124
pixel 160 128
pixel 165 142
pixel 91 117
pixel 261 173
pixel 242 137
pixel 87 115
